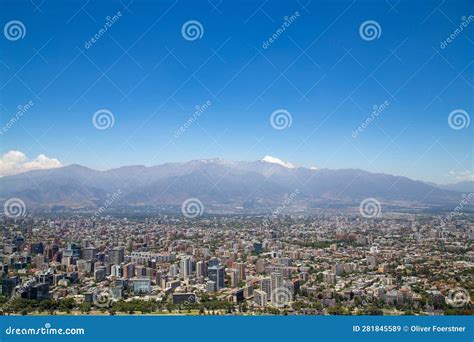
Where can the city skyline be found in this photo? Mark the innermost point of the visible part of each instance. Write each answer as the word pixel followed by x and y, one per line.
pixel 321 75
pixel 161 160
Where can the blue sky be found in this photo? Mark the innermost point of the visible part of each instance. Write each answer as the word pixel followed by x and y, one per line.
pixel 319 70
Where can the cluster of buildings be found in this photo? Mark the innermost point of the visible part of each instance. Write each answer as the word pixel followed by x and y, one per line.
pixel 302 265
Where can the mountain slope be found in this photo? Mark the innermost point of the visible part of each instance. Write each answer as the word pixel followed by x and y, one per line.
pixel 218 182
pixel 466 186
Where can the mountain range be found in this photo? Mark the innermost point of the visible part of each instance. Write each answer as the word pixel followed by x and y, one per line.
pixel 216 182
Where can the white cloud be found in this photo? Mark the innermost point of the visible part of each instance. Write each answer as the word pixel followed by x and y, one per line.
pixel 462 176
pixel 274 160
pixel 14 162
pixel 314 168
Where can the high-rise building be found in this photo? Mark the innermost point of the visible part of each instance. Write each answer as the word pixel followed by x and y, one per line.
pixel 129 270
pixel 234 278
pixel 201 269
pixel 277 287
pixel 265 285
pixel 88 253
pixel 37 292
pixel 116 255
pixel 116 271
pixel 173 270
pixel 248 291
pixel 99 274
pixel 140 271
pixel 185 267
pixel 260 297
pixel 39 261
pixel 216 274
pixel 158 277
pixel 238 296
pixel 276 281
pixel 8 285
pixel 241 268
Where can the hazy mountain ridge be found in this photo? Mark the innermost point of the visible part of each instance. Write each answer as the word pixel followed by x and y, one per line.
pixel 215 181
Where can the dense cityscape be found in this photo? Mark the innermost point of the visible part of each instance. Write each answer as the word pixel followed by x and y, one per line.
pixel 333 263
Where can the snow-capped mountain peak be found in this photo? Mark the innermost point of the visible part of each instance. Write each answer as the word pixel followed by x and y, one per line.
pixel 274 160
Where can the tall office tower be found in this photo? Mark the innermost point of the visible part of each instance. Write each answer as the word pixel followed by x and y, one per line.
pixel 39 261
pixel 116 255
pixel 265 285
pixel 234 278
pixel 89 253
pixel 173 271
pixel 260 297
pixel 201 269
pixel 129 271
pixel 248 291
pixel 276 281
pixel 282 290
pixel 241 268
pixel 99 274
pixel 158 277
pixel 72 251
pixel 216 274
pixel 185 267
pixel 116 271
